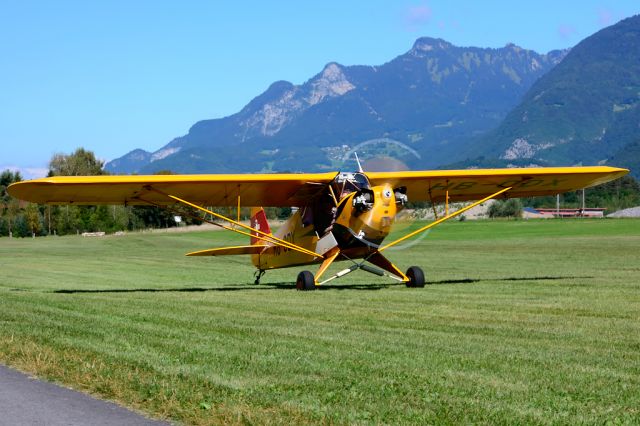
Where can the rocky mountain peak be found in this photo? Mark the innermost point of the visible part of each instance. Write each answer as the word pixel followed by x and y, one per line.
pixel 427 44
pixel 332 82
pixel 283 101
pixel 513 47
pixel 131 161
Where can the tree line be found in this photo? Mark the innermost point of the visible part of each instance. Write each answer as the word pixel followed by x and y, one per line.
pixel 613 196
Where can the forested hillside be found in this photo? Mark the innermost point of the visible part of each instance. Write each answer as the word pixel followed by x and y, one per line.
pixel 584 111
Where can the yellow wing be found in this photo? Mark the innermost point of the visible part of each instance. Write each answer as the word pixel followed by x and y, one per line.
pixel 475 184
pixel 282 190
pixel 274 190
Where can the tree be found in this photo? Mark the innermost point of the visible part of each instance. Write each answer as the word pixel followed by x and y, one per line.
pixel 9 207
pixel 71 219
pixel 12 214
pixel 508 208
pixel 34 221
pixel 80 163
pixel 7 177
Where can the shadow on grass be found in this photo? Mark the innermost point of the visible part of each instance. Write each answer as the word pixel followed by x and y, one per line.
pixel 248 287
pixel 477 280
pixel 291 286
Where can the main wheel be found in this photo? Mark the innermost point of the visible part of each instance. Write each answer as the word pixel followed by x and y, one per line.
pixel 305 281
pixel 416 277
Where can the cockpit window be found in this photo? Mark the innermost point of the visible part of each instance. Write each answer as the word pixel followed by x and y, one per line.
pixel 361 180
pixel 346 183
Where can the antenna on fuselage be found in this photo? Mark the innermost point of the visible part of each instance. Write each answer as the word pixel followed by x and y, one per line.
pixel 358 161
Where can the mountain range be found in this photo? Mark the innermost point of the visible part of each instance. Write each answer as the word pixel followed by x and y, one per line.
pixel 434 99
pixel 442 104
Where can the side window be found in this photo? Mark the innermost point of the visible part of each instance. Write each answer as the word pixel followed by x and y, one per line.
pixel 362 181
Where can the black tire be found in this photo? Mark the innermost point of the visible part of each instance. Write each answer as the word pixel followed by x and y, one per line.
pixel 416 277
pixel 305 281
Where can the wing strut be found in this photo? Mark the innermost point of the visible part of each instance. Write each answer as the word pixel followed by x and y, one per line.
pixel 439 221
pixel 274 240
pixel 267 239
pixel 433 205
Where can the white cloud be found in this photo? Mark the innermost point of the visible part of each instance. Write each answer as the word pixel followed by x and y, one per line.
pixel 27 172
pixel 566 31
pixel 606 17
pixel 417 16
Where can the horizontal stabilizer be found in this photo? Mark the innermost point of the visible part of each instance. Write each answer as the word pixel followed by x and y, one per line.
pixel 229 251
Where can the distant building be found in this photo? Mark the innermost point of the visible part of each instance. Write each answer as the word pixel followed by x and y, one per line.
pixel 530 212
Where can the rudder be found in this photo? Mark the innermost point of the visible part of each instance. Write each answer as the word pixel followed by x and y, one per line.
pixel 259 222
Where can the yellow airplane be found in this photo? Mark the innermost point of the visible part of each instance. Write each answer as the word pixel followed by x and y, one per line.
pixel 338 216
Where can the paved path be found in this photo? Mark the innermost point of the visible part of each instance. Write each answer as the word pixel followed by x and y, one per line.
pixel 28 401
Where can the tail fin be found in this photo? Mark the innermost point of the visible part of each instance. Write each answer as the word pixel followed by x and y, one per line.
pixel 259 222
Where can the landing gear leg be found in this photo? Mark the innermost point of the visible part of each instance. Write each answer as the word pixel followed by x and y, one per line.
pixel 259 273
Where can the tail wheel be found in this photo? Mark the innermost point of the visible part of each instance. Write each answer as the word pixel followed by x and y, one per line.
pixel 305 281
pixel 416 277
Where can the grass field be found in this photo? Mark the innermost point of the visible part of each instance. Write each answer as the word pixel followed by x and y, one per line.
pixel 525 322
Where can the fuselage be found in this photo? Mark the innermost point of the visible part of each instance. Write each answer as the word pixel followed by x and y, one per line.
pixel 349 215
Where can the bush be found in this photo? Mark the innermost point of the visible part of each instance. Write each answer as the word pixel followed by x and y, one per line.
pixel 508 208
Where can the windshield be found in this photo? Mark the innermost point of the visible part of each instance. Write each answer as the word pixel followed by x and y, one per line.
pixel 346 183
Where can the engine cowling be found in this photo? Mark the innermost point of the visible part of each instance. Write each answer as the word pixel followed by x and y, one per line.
pixel 368 215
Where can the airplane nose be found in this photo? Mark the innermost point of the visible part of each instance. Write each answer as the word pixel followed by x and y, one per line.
pixel 368 217
pixel 378 221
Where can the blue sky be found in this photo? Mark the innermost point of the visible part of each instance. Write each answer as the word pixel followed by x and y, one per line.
pixel 115 75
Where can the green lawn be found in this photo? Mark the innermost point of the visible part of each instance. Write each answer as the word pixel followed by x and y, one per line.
pixel 525 322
